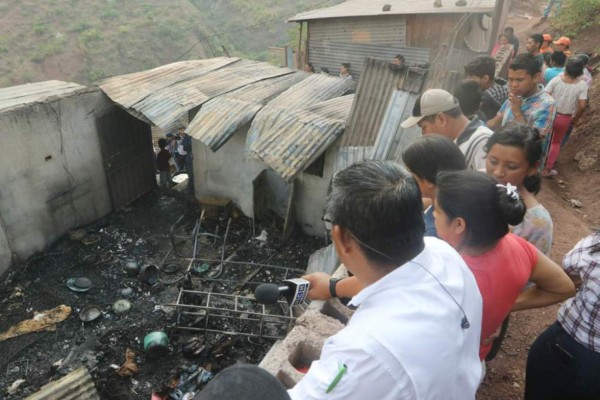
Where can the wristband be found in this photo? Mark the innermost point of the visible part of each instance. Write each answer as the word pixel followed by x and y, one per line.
pixel 332 284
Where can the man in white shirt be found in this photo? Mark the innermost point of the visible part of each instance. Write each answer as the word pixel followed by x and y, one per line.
pixel 416 332
pixel 437 111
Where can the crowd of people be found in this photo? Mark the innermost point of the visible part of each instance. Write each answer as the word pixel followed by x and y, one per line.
pixel 175 148
pixel 441 250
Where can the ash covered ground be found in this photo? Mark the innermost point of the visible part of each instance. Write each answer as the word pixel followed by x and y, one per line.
pixel 140 232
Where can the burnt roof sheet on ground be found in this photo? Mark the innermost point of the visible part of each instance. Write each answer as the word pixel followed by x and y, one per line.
pixel 219 118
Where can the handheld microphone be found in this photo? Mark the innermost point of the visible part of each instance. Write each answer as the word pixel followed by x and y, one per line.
pixel 293 290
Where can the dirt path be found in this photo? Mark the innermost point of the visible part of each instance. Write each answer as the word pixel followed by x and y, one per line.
pixel 578 179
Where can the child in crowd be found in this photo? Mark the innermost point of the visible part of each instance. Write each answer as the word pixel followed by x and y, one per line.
pixel 503 43
pixel 570 93
pixel 557 62
pixel 514 155
pixel 473 213
pixel 564 361
pixel 162 163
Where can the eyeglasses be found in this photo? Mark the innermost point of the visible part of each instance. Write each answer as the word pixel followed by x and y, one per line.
pixel 327 221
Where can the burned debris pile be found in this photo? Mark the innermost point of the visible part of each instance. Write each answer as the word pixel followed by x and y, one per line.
pixel 155 298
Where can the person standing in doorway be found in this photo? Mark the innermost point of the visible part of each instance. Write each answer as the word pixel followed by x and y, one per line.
pixel 162 164
pixel 186 143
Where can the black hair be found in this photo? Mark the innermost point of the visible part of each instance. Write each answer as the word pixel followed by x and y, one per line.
pixel 325 70
pixel 346 65
pixel 430 154
pixel 486 207
pixel 510 29
pixel 400 57
pixel 574 67
pixel 527 62
pixel 529 140
pixel 481 66
pixel 547 57
pixel 559 58
pixel 379 203
pixel 469 95
pixel 584 57
pixel 162 143
pixel 310 67
pixel 538 38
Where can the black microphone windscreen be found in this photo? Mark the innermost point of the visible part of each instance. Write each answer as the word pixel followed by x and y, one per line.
pixel 267 293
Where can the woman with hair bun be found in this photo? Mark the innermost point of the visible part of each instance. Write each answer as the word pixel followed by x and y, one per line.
pixel 473 213
pixel 514 154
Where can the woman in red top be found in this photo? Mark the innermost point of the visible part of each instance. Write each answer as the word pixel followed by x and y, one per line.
pixel 472 213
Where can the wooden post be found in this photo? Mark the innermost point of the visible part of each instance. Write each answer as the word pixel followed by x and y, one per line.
pixel 300 64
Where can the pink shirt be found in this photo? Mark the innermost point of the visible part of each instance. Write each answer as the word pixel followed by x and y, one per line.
pixel 501 274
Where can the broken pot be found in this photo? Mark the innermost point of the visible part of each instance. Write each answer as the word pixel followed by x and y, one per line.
pixel 90 313
pixel 156 344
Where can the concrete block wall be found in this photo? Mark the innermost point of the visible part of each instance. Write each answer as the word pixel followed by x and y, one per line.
pixel 53 176
pixel 304 342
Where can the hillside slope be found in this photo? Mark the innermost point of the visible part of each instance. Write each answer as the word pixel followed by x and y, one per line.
pixel 86 40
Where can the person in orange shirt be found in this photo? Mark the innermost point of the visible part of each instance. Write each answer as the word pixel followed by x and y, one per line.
pixel 546 45
pixel 563 44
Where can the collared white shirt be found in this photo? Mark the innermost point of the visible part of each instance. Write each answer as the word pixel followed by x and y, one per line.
pixel 405 341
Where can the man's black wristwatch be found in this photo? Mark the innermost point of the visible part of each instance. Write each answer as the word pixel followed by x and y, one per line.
pixel 332 284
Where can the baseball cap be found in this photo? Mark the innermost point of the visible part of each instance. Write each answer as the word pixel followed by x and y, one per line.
pixel 547 37
pixel 563 40
pixel 244 381
pixel 430 102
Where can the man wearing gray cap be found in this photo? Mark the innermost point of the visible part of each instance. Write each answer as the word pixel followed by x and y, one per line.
pixel 437 111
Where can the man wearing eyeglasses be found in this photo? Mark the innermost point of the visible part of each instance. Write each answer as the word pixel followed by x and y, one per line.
pixel 416 331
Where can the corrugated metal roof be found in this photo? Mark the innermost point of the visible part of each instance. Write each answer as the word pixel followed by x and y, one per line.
pixel 332 54
pixel 312 90
pixel 389 29
pixel 372 98
pixel 129 89
pixel 299 139
pixel 392 139
pixel 361 8
pixel 166 98
pixel 39 92
pixel 346 156
pixel 78 385
pixel 219 118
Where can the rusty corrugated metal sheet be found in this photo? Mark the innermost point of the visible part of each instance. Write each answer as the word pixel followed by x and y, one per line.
pixel 387 29
pixel 312 90
pixel 168 108
pixel 373 95
pixel 16 96
pixel 358 8
pixel 297 140
pixel 219 118
pixel 130 89
pixel 78 385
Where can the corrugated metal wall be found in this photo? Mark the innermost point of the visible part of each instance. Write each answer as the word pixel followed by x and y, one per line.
pixel 334 41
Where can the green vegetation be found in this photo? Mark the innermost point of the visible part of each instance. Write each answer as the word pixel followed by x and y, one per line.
pixel 87 40
pixel 577 15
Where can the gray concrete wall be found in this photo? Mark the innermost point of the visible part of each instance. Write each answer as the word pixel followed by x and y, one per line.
pixel 310 196
pixel 227 173
pixel 53 177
